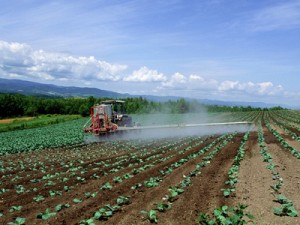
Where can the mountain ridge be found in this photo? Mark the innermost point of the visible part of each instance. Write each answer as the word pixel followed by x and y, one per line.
pixel 35 88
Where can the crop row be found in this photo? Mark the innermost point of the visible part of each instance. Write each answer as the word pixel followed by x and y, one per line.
pixel 71 170
pixel 287 208
pixel 281 119
pixel 175 191
pixel 282 141
pixel 287 115
pixel 233 171
pixel 41 197
pixel 284 127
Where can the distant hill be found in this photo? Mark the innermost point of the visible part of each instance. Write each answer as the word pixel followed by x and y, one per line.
pixel 34 88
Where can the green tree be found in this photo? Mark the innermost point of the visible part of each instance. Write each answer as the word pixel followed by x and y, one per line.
pixel 84 110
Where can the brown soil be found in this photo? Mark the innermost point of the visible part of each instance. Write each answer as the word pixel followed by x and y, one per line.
pixel 254 188
pixel 10 120
pixel 88 167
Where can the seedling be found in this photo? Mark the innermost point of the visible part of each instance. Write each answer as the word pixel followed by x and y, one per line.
pixel 60 207
pixel 175 191
pixel 287 207
pixel 228 191
pixel 90 194
pixel 123 200
pixel 152 182
pixel 77 200
pixel 45 215
pixel 225 215
pixel 39 198
pixel 117 179
pixel 106 186
pixel 162 207
pixel 18 221
pixel 87 222
pixel 105 212
pixel 138 185
pixel 151 215
pixel 54 193
pixel 127 176
pixel 15 208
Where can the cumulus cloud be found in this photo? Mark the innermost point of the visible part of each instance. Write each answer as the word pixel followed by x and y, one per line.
pixel 191 82
pixel 263 88
pixel 228 85
pixel 20 60
pixel 145 75
pixel 196 83
pixel 176 81
pixel 194 77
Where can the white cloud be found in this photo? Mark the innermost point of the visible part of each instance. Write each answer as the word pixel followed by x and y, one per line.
pixel 177 81
pixel 264 88
pixel 21 59
pixel 145 75
pixel 281 16
pixel 192 82
pixel 195 77
pixel 228 85
pixel 197 85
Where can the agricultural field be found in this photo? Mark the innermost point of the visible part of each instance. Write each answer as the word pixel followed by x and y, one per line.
pixel 49 176
pixel 32 122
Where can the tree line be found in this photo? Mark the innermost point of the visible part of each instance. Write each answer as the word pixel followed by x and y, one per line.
pixel 14 105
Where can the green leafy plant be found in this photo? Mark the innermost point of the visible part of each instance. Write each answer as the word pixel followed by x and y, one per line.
pixel 138 185
pixel 152 182
pixel 117 179
pixel 276 187
pixel 123 200
pixel 106 186
pixel 20 189
pixel 15 208
pixel 127 176
pixel 90 194
pixel 287 209
pixel 45 215
pixel 228 191
pixel 18 221
pixel 226 216
pixel 105 212
pixel 3 190
pixel 87 222
pixel 77 200
pixel 54 193
pixel 162 207
pixel 38 198
pixel 60 207
pixel 174 192
pixel 151 215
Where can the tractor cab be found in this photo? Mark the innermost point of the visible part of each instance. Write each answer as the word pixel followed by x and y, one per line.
pixel 118 114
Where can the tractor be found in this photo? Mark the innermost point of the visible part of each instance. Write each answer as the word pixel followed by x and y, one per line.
pixel 107 117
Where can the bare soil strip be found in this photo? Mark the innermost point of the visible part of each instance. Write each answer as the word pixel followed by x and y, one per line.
pixel 3 121
pixel 254 188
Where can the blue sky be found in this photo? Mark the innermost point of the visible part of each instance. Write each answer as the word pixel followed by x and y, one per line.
pixel 233 50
